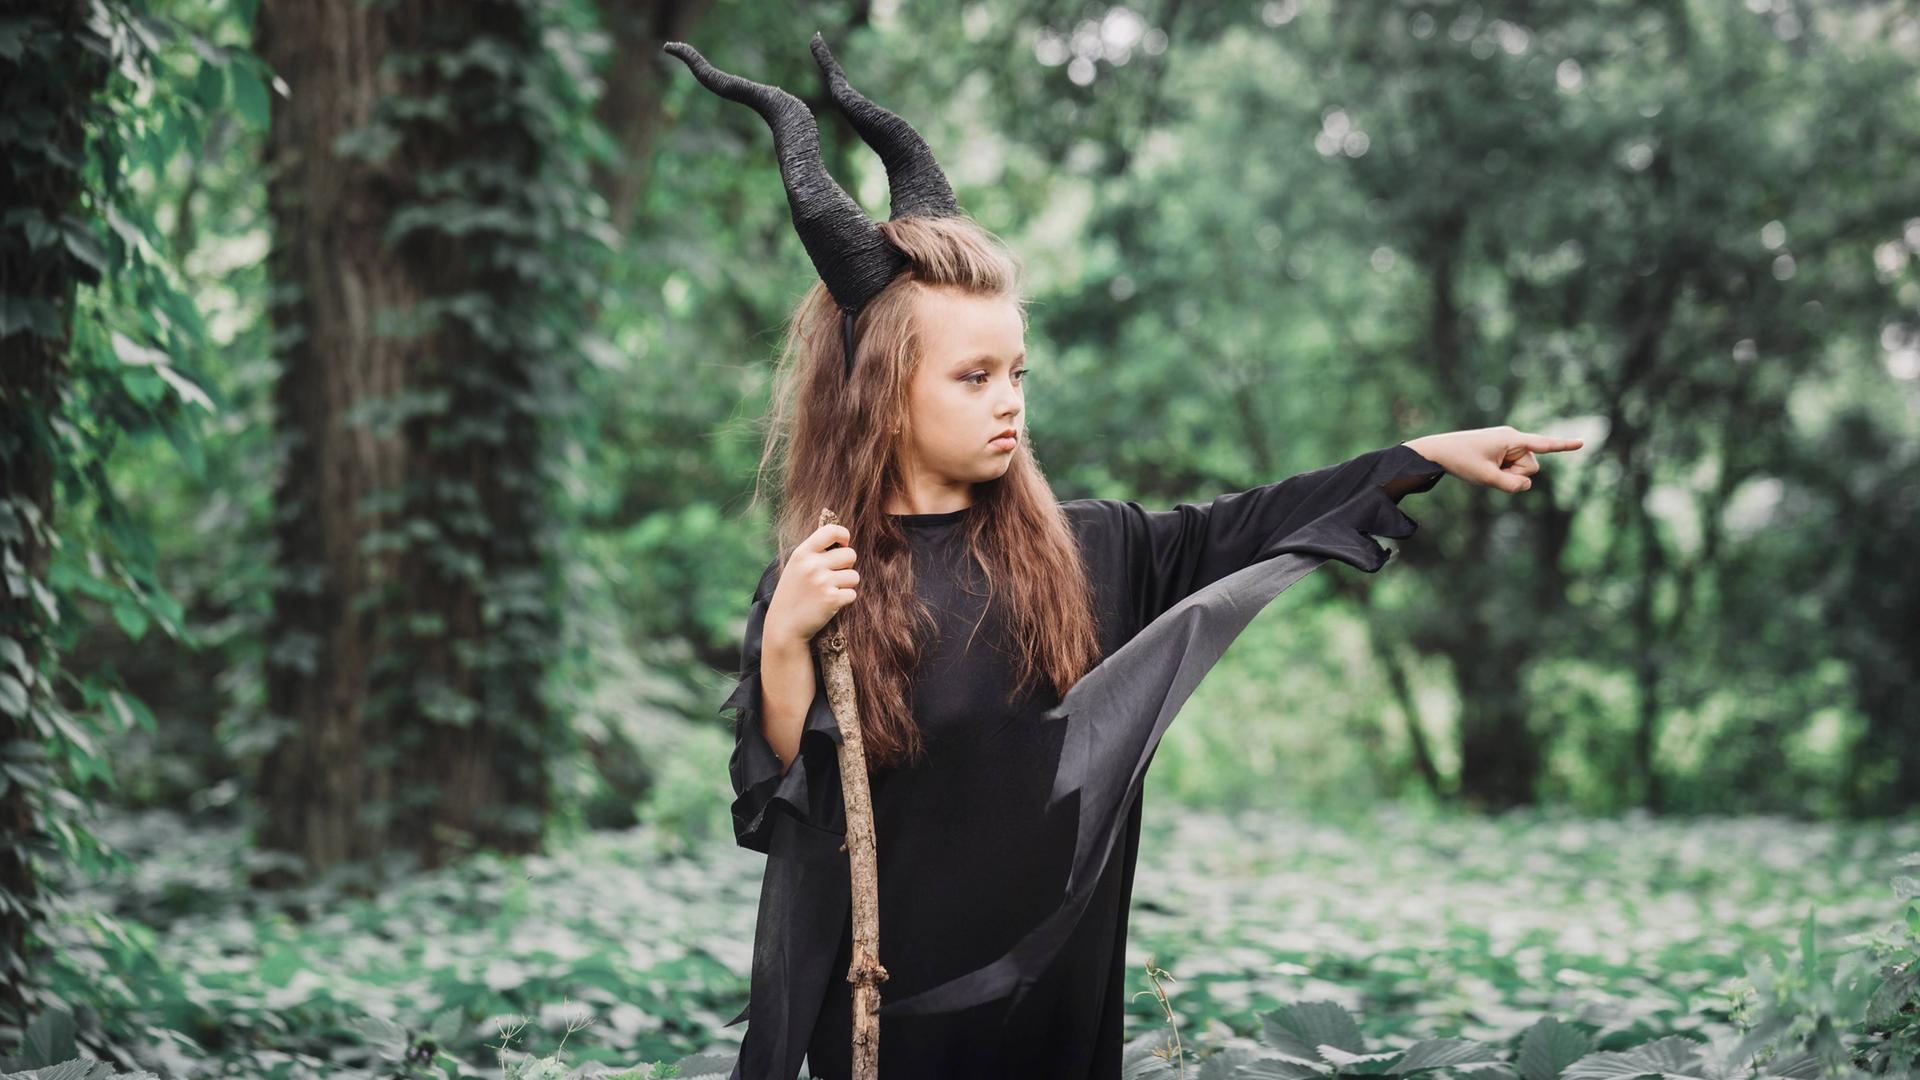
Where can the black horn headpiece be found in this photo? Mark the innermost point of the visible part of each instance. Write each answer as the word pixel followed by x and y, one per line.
pixel 852 256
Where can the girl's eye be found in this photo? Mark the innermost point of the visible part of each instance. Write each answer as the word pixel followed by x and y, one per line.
pixel 979 378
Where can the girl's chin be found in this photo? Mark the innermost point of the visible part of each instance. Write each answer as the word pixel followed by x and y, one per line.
pixel 991 470
pixel 990 466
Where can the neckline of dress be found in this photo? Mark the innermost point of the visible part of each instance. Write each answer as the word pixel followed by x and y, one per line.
pixel 924 520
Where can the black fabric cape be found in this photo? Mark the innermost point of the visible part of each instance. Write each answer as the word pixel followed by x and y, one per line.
pixel 1201 573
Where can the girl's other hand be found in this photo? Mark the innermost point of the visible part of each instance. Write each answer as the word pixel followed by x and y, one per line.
pixel 1496 457
pixel 817 581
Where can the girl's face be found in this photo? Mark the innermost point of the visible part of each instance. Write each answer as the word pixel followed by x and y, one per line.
pixel 966 392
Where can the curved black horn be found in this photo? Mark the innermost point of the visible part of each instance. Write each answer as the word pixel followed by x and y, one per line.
pixel 918 186
pixel 846 247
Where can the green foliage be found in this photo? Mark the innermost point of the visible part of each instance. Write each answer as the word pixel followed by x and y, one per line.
pixel 1437 217
pixel 1819 1011
pixel 1822 1001
pixel 1848 1013
pixel 681 803
pixel 1465 928
pixel 127 344
pixel 651 948
pixel 1427 220
pixel 1437 929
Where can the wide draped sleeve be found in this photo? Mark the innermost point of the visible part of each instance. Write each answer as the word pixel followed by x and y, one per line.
pixel 1174 553
pixel 1198 574
pixel 808 790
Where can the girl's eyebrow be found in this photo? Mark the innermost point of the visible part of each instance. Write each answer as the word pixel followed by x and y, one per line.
pixel 989 356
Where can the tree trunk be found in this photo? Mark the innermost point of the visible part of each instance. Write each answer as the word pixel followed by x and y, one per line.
pixel 1499 756
pixel 1892 742
pixel 630 107
pixel 321 799
pixel 416 616
pixel 1402 687
pixel 1648 635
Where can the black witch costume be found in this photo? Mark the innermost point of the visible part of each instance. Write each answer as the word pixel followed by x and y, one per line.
pixel 1006 858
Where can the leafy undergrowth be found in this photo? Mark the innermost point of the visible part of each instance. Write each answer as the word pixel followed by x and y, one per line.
pixel 607 960
pixel 1476 927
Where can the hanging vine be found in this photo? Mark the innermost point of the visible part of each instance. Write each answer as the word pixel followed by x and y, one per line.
pixel 98 343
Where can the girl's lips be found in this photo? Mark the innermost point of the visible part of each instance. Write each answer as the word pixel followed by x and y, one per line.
pixel 1005 442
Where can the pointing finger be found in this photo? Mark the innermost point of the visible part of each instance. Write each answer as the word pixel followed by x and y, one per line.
pixel 1548 444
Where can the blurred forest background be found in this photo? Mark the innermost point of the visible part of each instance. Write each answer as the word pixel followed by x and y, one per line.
pixel 381 388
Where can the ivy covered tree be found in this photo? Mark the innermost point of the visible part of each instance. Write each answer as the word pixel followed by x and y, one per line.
pixel 426 237
pixel 57 68
pixel 96 352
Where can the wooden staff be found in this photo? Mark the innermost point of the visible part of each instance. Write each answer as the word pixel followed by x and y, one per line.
pixel 866 974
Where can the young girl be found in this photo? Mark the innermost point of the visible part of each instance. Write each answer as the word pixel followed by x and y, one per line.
pixel 972 601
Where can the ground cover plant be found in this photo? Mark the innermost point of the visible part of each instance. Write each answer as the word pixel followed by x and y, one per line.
pixel 606 953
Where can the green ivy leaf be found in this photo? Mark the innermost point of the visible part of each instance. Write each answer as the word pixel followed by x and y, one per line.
pixel 1277 1068
pixel 144 387
pixel 14 32
pixel 19 313
pixel 75 737
pixel 39 230
pixel 132 352
pixel 1359 1064
pixel 1675 1057
pixel 131 618
pixel 1299 1030
pixel 129 711
pixel 15 656
pixel 1893 995
pixel 50 1038
pixel 86 247
pixel 13 696
pixel 210 86
pixel 250 96
pixel 128 231
pixel 156 146
pixel 187 390
pixel 1548 1047
pixel 1444 1054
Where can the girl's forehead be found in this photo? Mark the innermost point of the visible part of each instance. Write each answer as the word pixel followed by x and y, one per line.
pixel 956 324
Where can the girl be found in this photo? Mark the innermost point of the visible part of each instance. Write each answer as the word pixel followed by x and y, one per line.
pixel 1007 812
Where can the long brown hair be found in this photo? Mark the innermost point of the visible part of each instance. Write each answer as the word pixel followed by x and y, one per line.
pixel 834 446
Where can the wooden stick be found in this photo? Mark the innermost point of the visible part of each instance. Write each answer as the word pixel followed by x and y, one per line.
pixel 866 974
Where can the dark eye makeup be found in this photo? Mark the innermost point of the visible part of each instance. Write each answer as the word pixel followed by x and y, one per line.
pixel 1021 372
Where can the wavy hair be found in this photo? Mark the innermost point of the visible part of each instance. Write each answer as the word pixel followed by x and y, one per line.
pixel 832 445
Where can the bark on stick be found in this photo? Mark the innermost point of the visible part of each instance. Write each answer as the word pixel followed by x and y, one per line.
pixel 866 974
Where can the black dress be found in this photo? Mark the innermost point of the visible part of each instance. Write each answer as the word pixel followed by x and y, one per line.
pixel 979 843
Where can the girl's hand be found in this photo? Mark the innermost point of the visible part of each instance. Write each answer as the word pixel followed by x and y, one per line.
pixel 1495 457
pixel 817 581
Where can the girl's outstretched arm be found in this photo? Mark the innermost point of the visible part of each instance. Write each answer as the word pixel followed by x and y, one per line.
pixel 1173 553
